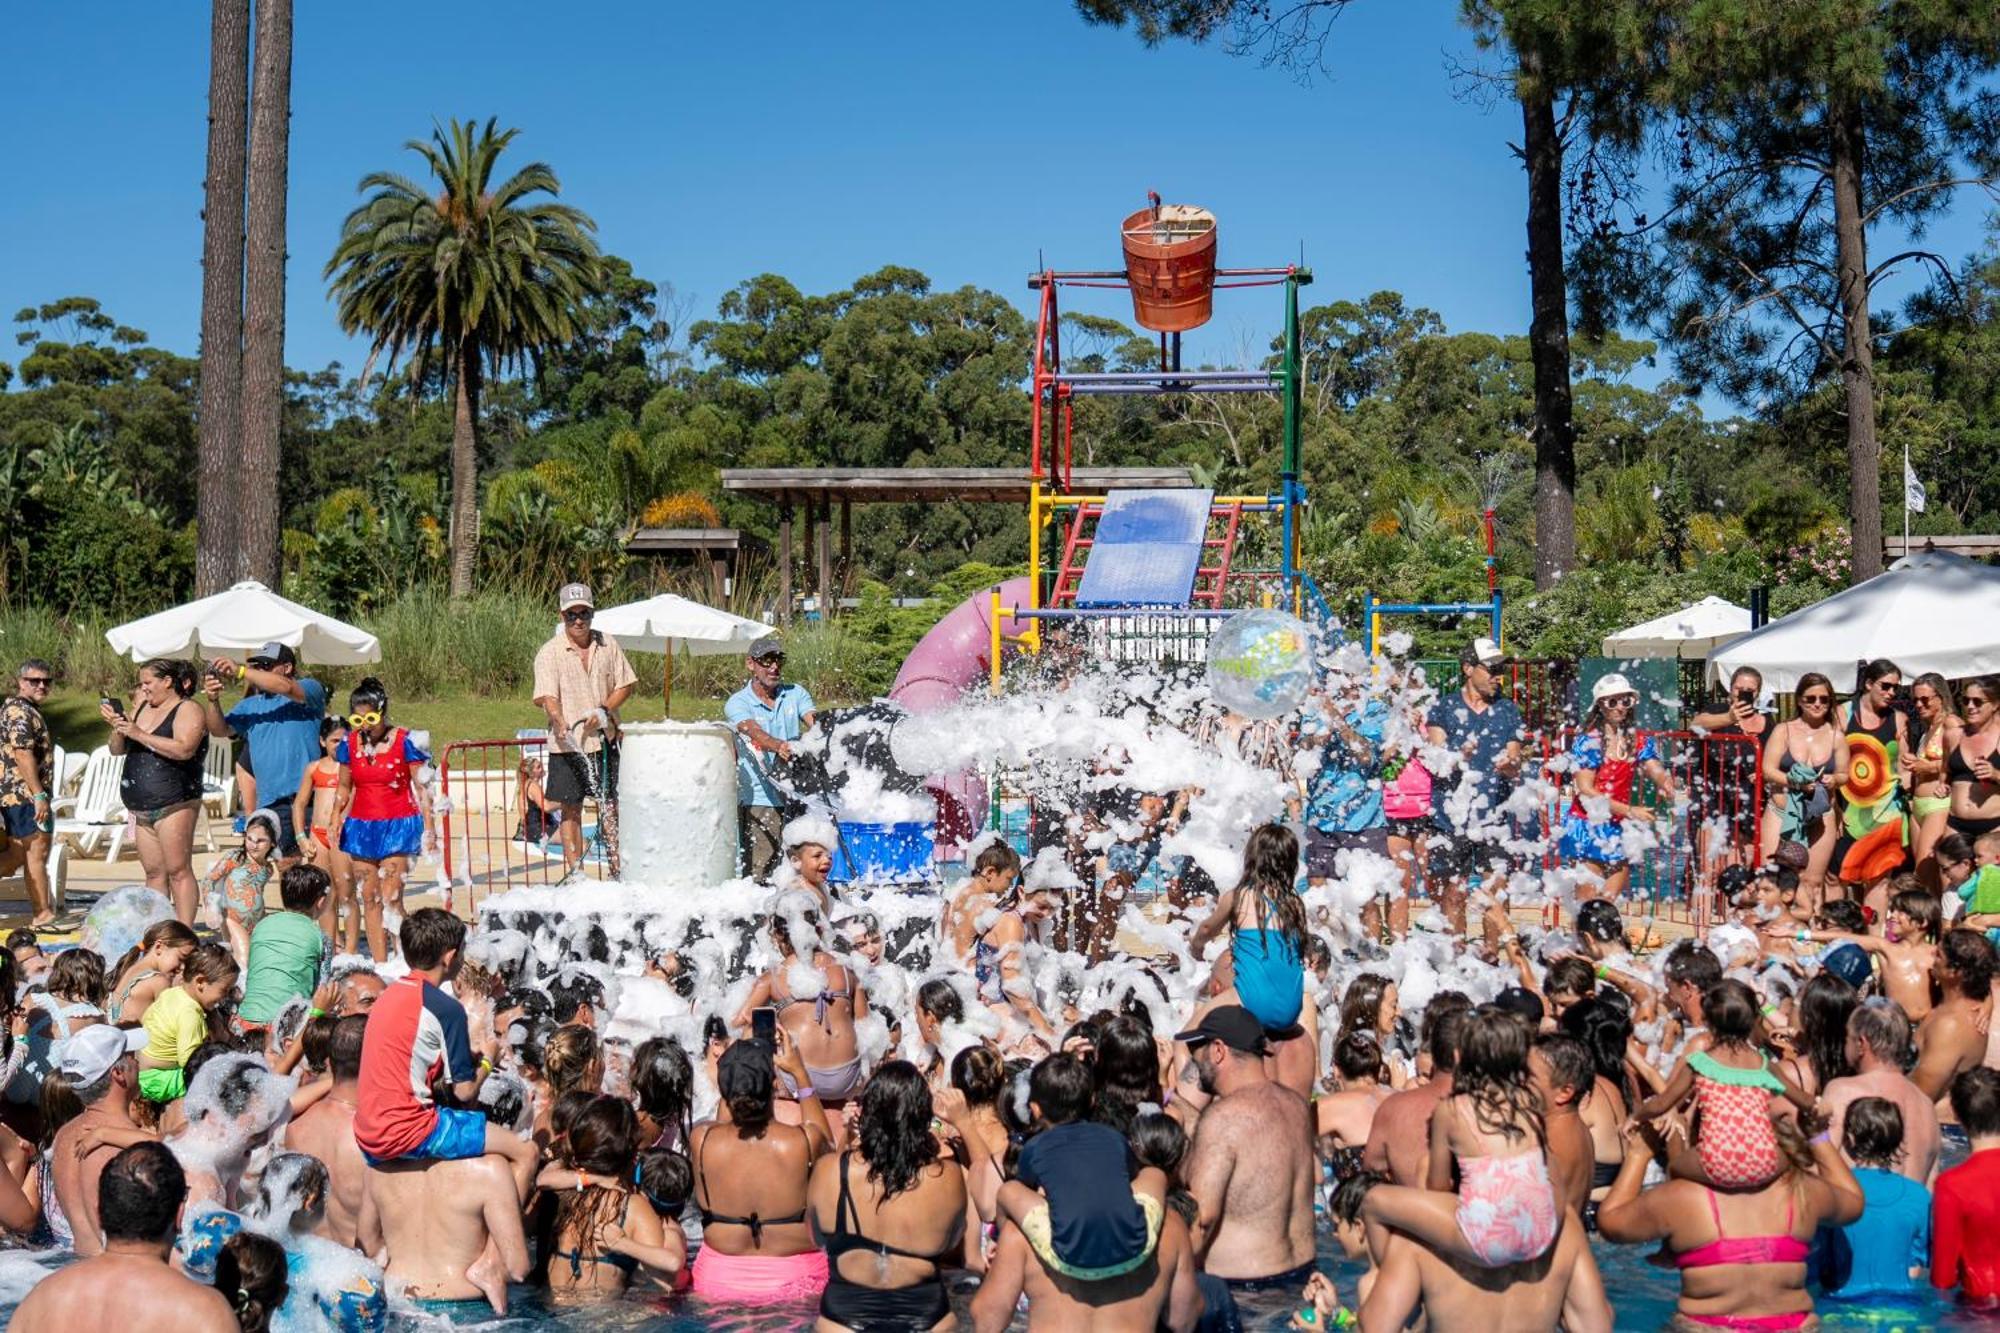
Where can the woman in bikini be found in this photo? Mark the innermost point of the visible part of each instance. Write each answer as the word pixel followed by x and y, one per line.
pixel 312 808
pixel 821 1023
pixel 1923 765
pixel 1970 765
pixel 1805 762
pixel 605 1231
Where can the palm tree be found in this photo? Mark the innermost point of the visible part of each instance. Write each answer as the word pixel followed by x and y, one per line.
pixel 470 277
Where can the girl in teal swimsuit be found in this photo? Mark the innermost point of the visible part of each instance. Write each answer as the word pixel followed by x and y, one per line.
pixel 1267 929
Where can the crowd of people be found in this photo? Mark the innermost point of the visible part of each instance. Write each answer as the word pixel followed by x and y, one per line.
pixel 1035 1097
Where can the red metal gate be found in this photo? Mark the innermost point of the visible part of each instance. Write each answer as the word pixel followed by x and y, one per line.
pixel 484 851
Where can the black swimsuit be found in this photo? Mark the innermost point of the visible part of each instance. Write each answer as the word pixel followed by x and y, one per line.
pixel 1957 769
pixel 869 1309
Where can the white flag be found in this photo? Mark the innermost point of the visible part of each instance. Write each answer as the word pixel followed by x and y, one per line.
pixel 1913 490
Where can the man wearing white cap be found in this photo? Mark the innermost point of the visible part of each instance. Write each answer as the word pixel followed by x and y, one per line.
pixel 101 1063
pixel 581 680
pixel 1483 733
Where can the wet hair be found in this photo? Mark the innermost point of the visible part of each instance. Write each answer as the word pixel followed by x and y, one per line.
pixel 1953 846
pixel 603 1141
pixel 666 1178
pixel 1569 1062
pixel 370 693
pixel 1922 907
pixel 895 1127
pixel 570 1057
pixel 1317 955
pixel 1358 1055
pixel 1825 1004
pixel 1975 1100
pixel 1604 1029
pixel 288 1181
pixel 566 1108
pixel 569 994
pixel 251 1274
pixel 316 1041
pixel 1361 1005
pixel 940 999
pixel 1345 1205
pixel 1063 1088
pixel 534 1042
pixel 663 1083
pixel 1729 1011
pixel 1693 963
pixel 168 934
pixel 211 963
pixel 1444 1036
pixel 139 1196
pixel 1872 1132
pixel 343 1047
pixel 77 975
pixel 1271 871
pixel 1159 1140
pixel 1127 1071
pixel 1492 1074
pixel 1571 976
pixel 1885 1027
pixel 60 1104
pixel 332 723
pixel 997 855
pixel 977 1072
pixel 178 674
pixel 302 886
pixel 1969 955
pixel 427 935
pixel 1842 914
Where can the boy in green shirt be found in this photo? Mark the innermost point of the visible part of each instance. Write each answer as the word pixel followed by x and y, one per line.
pixel 288 951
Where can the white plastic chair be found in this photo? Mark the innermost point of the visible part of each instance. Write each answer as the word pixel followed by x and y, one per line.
pixel 58 864
pixel 218 785
pixel 69 769
pixel 97 809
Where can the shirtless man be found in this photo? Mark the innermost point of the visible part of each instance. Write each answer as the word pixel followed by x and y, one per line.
pixel 1563 1075
pixel 128 1283
pixel 1160 1293
pixel 1399 1145
pixel 102 1065
pixel 1878 1046
pixel 326 1131
pixel 1951 1040
pixel 436 1226
pixel 359 990
pixel 1251 1168
pixel 1562 1288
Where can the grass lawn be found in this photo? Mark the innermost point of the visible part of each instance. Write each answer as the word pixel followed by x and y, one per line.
pixel 74 719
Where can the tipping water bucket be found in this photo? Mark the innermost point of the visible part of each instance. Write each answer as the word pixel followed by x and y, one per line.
pixel 1170 263
pixel 884 853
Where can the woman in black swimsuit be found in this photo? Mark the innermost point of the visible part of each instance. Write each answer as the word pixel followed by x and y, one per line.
pixel 890 1215
pixel 1724 782
pixel 164 743
pixel 605 1230
pixel 1970 766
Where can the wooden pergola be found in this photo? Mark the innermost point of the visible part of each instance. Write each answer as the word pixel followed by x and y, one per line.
pixel 1972 546
pixel 815 491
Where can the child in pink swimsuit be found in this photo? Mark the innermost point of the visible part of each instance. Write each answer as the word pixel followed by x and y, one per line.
pixel 1504 1211
pixel 1732 1083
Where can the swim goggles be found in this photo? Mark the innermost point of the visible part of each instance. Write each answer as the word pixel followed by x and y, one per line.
pixel 364 720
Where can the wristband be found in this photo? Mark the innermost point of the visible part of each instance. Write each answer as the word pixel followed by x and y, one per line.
pixel 315 1013
pixel 1824 1136
pixel 1800 938
pixel 485 1065
pixel 1602 971
pixel 807 1091
pixel 41 798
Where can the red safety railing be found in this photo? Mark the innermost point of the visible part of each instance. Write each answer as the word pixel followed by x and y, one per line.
pixel 483 850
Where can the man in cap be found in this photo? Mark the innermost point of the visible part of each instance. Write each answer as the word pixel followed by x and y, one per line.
pixel 581 680
pixel 1251 1168
pixel 27 786
pixel 1484 732
pixel 102 1065
pixel 278 724
pixel 768 715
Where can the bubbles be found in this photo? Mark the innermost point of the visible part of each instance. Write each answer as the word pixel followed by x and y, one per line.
pixel 120 917
pixel 1260 663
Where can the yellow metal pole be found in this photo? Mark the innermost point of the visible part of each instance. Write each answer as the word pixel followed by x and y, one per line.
pixel 994 647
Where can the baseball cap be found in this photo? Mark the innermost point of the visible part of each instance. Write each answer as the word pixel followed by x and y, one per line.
pixel 1482 652
pixel 89 1055
pixel 574 594
pixel 1523 1002
pixel 1846 961
pixel 745 1070
pixel 1610 685
pixel 768 646
pixel 1232 1025
pixel 278 654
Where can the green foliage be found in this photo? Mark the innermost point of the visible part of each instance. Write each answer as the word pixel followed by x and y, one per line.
pixel 94 554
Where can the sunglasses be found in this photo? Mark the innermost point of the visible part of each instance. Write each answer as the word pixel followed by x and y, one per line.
pixel 1974 701
pixel 1817 699
pixel 771 659
pixel 361 721
pixel 38 680
pixel 582 614
pixel 1620 701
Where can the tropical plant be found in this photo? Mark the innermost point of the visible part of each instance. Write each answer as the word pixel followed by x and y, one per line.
pixel 469 277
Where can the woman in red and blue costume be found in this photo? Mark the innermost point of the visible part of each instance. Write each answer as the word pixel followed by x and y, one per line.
pixel 377 819
pixel 1605 764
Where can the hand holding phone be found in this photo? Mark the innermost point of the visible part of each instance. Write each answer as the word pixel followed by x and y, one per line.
pixel 112 704
pixel 764 1027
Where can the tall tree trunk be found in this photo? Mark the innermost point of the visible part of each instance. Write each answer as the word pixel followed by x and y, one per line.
pixel 1857 366
pixel 220 420
pixel 465 472
pixel 1554 430
pixel 257 553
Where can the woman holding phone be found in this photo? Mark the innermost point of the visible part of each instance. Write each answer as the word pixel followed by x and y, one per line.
pixel 1724 780
pixel 164 743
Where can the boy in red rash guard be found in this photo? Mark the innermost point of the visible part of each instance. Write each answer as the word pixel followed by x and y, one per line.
pixel 1965 1205
pixel 415 1031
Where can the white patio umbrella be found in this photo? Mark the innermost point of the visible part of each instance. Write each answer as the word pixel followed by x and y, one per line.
pixel 238 622
pixel 666 622
pixel 1693 631
pixel 1931 611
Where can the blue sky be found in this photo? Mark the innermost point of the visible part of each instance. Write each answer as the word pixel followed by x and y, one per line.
pixel 714 142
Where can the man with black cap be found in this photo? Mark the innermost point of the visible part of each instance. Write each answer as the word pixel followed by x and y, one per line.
pixel 278 723
pixel 768 715
pixel 1483 731
pixel 1251 1168
pixel 581 680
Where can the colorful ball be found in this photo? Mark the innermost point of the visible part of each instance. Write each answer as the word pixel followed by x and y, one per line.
pixel 120 917
pixel 1260 663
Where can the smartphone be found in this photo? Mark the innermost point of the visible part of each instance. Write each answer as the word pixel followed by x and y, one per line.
pixel 1746 697
pixel 112 704
pixel 764 1027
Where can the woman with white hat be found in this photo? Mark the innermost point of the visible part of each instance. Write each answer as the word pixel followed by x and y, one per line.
pixel 1605 762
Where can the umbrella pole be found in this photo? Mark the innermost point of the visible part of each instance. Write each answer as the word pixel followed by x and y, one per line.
pixel 668 716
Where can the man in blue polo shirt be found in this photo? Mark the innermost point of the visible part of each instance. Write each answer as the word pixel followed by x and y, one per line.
pixel 1482 733
pixel 278 723
pixel 768 716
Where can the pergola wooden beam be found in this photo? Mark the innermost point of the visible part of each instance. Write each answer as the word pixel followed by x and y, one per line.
pixel 907 485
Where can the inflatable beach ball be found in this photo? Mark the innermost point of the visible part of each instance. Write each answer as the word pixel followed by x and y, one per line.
pixel 119 918
pixel 1260 663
